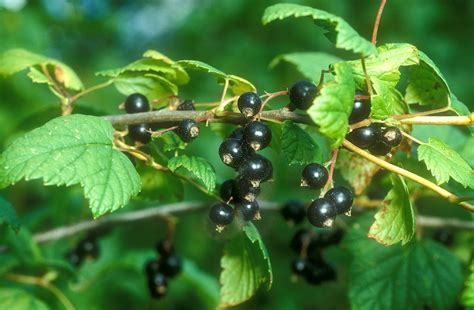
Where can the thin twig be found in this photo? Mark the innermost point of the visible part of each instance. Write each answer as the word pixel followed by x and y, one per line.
pixel 366 75
pixel 412 138
pixel 424 113
pixel 439 120
pixel 331 171
pixel 91 89
pixel 377 21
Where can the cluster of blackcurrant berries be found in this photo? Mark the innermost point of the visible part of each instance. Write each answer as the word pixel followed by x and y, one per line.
pixel 187 129
pixel 86 249
pixel 160 270
pixel 377 138
pixel 323 211
pixel 239 152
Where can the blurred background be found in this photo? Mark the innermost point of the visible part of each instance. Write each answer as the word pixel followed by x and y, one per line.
pixel 91 36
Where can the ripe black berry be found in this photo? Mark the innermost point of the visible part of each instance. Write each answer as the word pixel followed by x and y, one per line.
pixel 302 94
pixel 170 265
pixel 139 133
pixel 152 267
pixel 379 148
pixel 444 236
pixel 88 248
pixel 232 152
pixel 391 136
pixel 321 212
pixel 342 198
pixel 360 110
pixel 246 190
pixel 237 133
pixel 256 168
pixel 299 266
pixel 257 135
pixel 330 238
pixel 300 238
pixel 186 105
pixel 247 210
pixel 314 176
pixel 318 274
pixel 227 190
pixel 136 103
pixel 157 284
pixel 74 258
pixel 188 130
pixel 294 211
pixel 249 104
pixel 164 247
pixel 363 137
pixel 221 214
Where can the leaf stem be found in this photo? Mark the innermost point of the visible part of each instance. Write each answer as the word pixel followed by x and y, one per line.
pixel 424 113
pixel 90 90
pixel 377 21
pixel 366 75
pixel 331 171
pixel 412 138
pixel 43 283
pixel 410 175
pixel 439 120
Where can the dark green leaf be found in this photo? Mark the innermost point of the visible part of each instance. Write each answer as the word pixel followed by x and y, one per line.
pixel 308 64
pixel 331 109
pixel 18 299
pixel 69 150
pixel 297 146
pixel 198 166
pixel 246 266
pixel 338 30
pixel 204 284
pixel 395 221
pixel 467 297
pixel 150 85
pixel 8 215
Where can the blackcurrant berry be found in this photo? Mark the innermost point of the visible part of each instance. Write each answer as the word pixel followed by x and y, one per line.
pixel 249 104
pixel 152 267
pixel 314 252
pixel 88 248
pixel 246 190
pixel 300 238
pixel 170 265
pixel 314 175
pixel 342 198
pixel 294 211
pixel 360 110
pixel 391 136
pixel 227 190
pixel 232 152
pixel 188 130
pixel 256 168
pixel 237 133
pixel 157 284
pixel 221 214
pixel 299 266
pixel 319 274
pixel 136 103
pixel 331 238
pixel 444 236
pixel 164 248
pixel 363 137
pixel 302 94
pixel 257 135
pixel 379 148
pixel 74 258
pixel 247 210
pixel 186 105
pixel 139 133
pixel 321 212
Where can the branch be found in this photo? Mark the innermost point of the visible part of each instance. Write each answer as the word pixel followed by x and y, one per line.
pixel 439 120
pixel 377 21
pixel 410 175
pixel 174 208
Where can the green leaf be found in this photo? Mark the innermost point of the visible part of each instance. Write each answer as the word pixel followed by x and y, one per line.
pixel 308 64
pixel 338 30
pixel 18 299
pixel 237 85
pixel 444 163
pixel 395 221
pixel 421 273
pixel 297 146
pixel 150 85
pixel 387 101
pixel 426 84
pixel 385 65
pixel 22 245
pixel 198 166
pixel 246 266
pixel 204 284
pixel 172 142
pixel 331 109
pixel 356 170
pixel 467 297
pixel 159 186
pixel 15 60
pixel 38 77
pixel 8 215
pixel 69 150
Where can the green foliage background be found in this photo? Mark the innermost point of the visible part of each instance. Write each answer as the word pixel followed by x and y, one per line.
pixel 228 35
